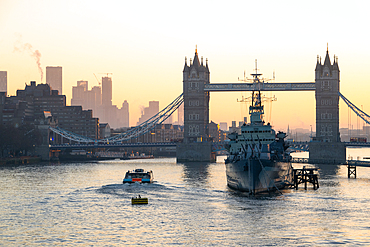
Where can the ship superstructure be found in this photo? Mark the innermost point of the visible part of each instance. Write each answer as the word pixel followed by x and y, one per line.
pixel 257 160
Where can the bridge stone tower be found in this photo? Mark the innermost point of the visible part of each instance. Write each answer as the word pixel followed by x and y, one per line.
pixel 327 145
pixel 196 145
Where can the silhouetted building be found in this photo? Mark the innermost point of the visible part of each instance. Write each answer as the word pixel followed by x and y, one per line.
pixel 4 81
pixel 106 91
pixel 93 100
pixel 54 78
pixel 168 120
pixel 149 112
pixel 125 113
pixel 214 131
pixel 223 126
pixel 31 103
pixel 180 115
pixel 104 131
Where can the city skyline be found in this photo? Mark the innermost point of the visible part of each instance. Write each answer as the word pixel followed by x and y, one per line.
pixel 144 48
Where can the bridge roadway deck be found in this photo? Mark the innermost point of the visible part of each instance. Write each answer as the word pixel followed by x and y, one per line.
pixel 113 145
pixel 361 163
pixel 348 144
pixel 281 86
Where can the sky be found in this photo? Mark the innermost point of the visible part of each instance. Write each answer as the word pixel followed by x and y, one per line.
pixel 144 44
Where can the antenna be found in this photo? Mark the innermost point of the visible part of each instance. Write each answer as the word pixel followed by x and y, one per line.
pixel 106 74
pixel 256 65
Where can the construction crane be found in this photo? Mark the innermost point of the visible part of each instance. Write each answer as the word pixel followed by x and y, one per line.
pixel 99 82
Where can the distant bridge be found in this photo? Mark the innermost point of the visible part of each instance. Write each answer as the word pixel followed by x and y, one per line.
pixel 112 145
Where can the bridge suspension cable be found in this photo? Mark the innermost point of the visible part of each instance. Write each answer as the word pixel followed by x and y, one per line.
pixel 355 109
pixel 149 124
pixel 71 136
pixel 139 130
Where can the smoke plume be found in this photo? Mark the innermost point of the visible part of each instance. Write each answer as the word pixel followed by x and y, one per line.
pixel 19 46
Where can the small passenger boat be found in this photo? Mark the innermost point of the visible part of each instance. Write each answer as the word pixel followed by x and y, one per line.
pixel 139 200
pixel 138 175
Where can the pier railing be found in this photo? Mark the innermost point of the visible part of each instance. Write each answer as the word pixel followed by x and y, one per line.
pixel 334 162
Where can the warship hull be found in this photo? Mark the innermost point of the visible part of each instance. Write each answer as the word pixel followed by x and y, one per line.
pixel 256 176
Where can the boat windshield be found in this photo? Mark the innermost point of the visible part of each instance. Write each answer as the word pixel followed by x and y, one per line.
pixel 137 175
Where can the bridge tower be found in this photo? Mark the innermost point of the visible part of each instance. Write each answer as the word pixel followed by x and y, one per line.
pixel 327 145
pixel 196 145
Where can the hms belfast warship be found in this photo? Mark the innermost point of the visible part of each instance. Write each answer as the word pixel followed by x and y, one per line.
pixel 258 160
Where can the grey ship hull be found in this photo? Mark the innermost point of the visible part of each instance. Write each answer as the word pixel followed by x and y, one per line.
pixel 250 176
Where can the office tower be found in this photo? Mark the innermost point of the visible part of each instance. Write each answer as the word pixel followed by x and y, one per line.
pixel 106 91
pixel 125 114
pixel 3 82
pixel 83 84
pixel 78 97
pixel 97 90
pixel 54 78
pixel 153 108
pixel 180 114
pixel 168 120
pixel 223 126
pixel 149 112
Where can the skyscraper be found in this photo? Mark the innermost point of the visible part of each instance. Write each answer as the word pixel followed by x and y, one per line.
pixel 3 82
pixel 149 112
pixel 180 115
pixel 83 84
pixel 54 78
pixel 106 91
pixel 125 114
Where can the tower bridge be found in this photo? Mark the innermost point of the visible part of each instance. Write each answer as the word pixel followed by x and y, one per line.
pixel 197 146
pixel 197 87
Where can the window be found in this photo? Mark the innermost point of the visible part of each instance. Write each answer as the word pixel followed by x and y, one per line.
pixel 325 85
pixel 193 102
pixel 326 102
pixel 193 130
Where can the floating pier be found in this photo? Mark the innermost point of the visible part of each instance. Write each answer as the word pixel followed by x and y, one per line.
pixel 351 164
pixel 305 175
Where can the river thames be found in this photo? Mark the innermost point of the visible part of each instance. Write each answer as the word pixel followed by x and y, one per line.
pixel 86 204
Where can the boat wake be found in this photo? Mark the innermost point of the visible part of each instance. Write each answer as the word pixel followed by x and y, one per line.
pixel 130 190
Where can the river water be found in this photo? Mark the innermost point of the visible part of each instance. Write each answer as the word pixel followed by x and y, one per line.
pixel 86 204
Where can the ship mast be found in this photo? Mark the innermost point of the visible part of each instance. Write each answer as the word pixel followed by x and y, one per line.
pixel 256 109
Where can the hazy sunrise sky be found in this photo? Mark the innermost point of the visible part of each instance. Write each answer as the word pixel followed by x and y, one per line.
pixel 144 43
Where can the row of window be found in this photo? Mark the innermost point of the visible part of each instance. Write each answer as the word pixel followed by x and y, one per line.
pixel 326 102
pixel 193 102
pixel 326 116
pixel 259 131
pixel 259 140
pixel 193 116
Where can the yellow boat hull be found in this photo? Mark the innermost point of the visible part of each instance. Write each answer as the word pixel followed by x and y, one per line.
pixel 139 201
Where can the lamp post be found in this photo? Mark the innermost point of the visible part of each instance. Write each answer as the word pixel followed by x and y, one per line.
pixel 151 147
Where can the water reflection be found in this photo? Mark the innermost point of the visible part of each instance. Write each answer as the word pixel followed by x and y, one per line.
pixel 327 170
pixel 195 173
